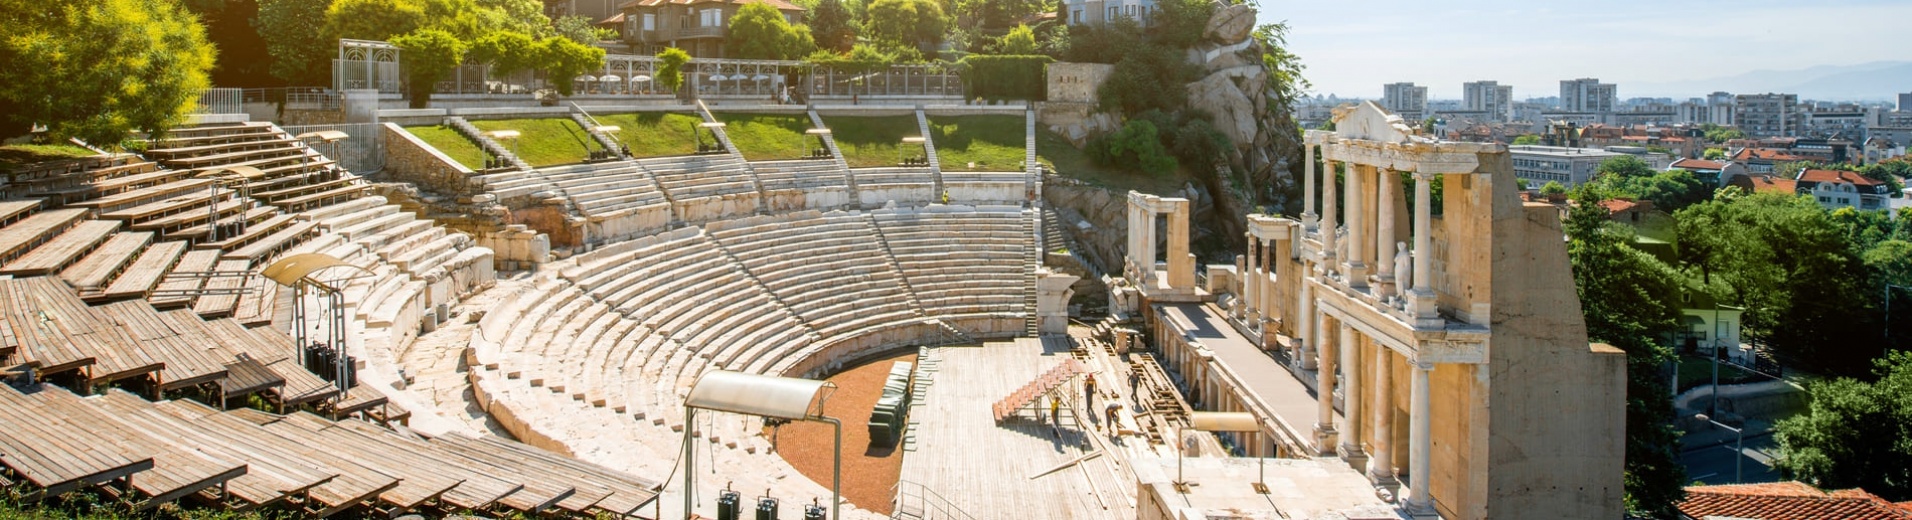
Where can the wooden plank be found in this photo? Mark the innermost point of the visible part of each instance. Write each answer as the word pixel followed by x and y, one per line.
pixel 223 302
pixel 353 484
pixel 246 376
pixel 176 471
pixel 481 487
pixel 302 386
pixel 416 485
pixel 269 477
pixel 95 270
pixel 629 493
pixel 40 336
pixel 50 454
pixel 181 284
pixel 144 195
pixel 15 239
pixel 116 355
pixel 192 356
pixel 274 242
pixel 145 272
pixel 62 250
pixel 14 209
pixel 583 492
pixel 254 229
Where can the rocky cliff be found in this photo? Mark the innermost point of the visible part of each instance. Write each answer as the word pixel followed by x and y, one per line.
pixel 1235 91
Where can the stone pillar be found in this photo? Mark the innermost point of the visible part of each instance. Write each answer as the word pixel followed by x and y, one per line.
pixel 1251 283
pixel 1355 266
pixel 1308 216
pixel 1306 340
pixel 1052 301
pixel 1381 466
pixel 1385 184
pixel 1420 443
pixel 1422 305
pixel 1324 388
pixel 1181 264
pixel 1328 221
pixel 1275 255
pixel 1351 391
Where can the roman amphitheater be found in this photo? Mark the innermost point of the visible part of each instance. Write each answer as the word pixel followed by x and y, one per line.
pixel 231 317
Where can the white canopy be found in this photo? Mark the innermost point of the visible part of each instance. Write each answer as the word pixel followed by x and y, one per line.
pixel 764 396
pixel 640 78
pixel 609 78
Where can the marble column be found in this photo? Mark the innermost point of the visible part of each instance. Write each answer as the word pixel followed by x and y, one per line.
pixel 1181 265
pixel 1422 303
pixel 1308 216
pixel 1351 395
pixel 1273 254
pixel 1324 388
pixel 1250 287
pixel 1306 338
pixel 1420 443
pixel 1329 207
pixel 1386 182
pixel 1381 466
pixel 1355 266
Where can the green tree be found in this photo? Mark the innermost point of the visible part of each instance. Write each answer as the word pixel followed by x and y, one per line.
pixel 579 29
pixel 373 19
pixel 1136 147
pixel 913 23
pixel 301 52
pixel 97 69
pixel 1714 154
pixel 522 16
pixel 1525 140
pixel 429 55
pixel 1180 24
pixel 507 52
pixel 1283 67
pixel 1553 188
pixel 1629 177
pixel 670 68
pixel 833 26
pixel 563 60
pixel 1854 434
pixel 1020 41
pixel 1629 299
pixel 1795 271
pixel 759 32
pixel 1721 134
pixel 1150 77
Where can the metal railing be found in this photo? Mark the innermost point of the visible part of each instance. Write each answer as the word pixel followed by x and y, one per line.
pixel 219 101
pixel 918 502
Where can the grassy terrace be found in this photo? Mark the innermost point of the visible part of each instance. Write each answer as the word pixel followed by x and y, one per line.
pixel 768 137
pixel 991 143
pixel 455 146
pixel 871 141
pixel 655 134
pixel 544 142
pixel 17 155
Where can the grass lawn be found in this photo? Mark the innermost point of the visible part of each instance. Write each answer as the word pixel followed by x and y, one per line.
pixel 545 142
pixel 768 137
pixel 15 155
pixel 992 143
pixel 452 144
pixel 656 134
pixel 871 141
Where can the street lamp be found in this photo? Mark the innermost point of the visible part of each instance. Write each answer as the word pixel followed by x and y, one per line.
pixel 1739 448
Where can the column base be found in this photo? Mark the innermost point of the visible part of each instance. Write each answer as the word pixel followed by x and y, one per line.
pixel 1353 454
pixel 1325 439
pixel 1356 273
pixel 1414 507
pixel 1380 473
pixel 1420 304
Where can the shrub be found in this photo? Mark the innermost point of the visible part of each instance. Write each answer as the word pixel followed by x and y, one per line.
pixel 1006 77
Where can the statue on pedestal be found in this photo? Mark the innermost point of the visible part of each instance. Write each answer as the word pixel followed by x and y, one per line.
pixel 1403 271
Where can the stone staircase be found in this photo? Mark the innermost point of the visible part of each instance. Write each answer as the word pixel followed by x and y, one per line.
pixel 490 146
pixel 909 291
pixel 829 141
pixel 723 136
pixel 591 125
pixel 929 151
pixel 1032 186
pixel 1032 260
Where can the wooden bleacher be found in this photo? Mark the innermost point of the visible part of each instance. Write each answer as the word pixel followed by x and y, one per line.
pixel 27 233
pixel 98 268
pixel 61 251
pixel 144 274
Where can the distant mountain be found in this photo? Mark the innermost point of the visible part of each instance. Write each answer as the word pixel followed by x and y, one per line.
pixel 1880 80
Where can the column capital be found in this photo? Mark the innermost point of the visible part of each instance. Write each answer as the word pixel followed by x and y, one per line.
pixel 1421 365
pixel 1424 176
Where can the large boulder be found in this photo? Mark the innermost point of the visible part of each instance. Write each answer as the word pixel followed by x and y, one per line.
pixel 1232 24
pixel 1234 111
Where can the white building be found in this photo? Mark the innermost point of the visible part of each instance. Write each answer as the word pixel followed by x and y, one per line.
pixel 1568 166
pixel 1405 99
pixel 1836 189
pixel 1490 97
pixel 1588 95
pixel 1768 115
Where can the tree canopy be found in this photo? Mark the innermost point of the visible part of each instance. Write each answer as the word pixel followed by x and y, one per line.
pixel 913 23
pixel 833 26
pixel 760 32
pixel 429 54
pixel 373 19
pixel 1854 434
pixel 1021 41
pixel 563 60
pixel 301 52
pixel 97 69
pixel 1629 299
pixel 506 52
pixel 1629 177
pixel 670 68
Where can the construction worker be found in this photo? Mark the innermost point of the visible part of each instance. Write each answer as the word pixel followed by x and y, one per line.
pixel 1055 410
pixel 1135 376
pixel 1088 391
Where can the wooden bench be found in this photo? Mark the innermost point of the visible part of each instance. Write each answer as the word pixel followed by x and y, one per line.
pixel 62 250
pixel 354 483
pixel 192 357
pixel 95 270
pixel 221 292
pixel 181 284
pixel 13 210
pixel 186 152
pixel 416 485
pixel 253 217
pixel 51 456
pixel 270 476
pixel 176 472
pixel 30 232
pixel 132 198
pixel 277 241
pixel 144 273
pixel 628 493
pixel 302 202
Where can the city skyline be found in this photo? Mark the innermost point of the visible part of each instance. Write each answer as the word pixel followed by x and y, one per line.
pixel 1352 54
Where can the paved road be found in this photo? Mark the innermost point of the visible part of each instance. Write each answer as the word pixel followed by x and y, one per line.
pixel 1715 464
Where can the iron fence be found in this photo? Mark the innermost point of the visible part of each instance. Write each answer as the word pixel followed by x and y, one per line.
pixel 362 153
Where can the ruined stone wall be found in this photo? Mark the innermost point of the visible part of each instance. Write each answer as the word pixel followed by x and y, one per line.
pixel 410 160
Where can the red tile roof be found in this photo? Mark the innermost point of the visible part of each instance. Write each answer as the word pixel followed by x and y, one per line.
pixel 1767 155
pixel 1837 176
pixel 1764 184
pixel 1787 501
pixel 1618 205
pixel 1696 164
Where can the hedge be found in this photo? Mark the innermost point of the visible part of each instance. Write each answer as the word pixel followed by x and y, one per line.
pixel 1007 77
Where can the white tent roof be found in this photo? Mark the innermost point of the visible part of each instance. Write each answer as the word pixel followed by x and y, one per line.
pixel 765 396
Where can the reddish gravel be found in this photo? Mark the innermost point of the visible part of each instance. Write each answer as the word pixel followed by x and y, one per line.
pixel 869 474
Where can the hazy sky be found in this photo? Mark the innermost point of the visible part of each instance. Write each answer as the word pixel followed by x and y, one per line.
pixel 1352 48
